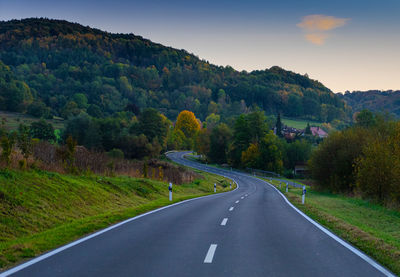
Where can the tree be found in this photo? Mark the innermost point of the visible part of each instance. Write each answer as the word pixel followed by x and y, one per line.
pixel 332 164
pixel 153 125
pixel 188 124
pixel 86 132
pixel 271 153
pixel 38 109
pixel 203 142
pixel 219 141
pixel 24 141
pixel 278 125
pixel 212 120
pixel 308 130
pixel 7 142
pixel 298 151
pixel 42 130
pixel 251 157
pixel 176 140
pixel 366 119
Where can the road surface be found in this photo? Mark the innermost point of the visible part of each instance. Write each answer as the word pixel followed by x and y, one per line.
pixel 251 231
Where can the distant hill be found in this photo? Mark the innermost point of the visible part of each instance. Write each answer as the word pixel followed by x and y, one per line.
pixel 64 69
pixel 374 100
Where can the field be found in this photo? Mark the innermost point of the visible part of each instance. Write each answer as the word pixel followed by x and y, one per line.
pixel 12 120
pixel 372 228
pixel 43 210
pixel 298 123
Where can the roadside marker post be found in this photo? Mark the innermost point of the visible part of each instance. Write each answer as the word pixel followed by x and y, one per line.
pixel 170 191
pixel 303 197
pixel 287 187
pixel 215 187
pixel 230 185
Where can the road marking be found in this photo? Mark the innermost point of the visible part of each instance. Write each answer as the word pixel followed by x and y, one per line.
pixel 210 254
pixel 336 238
pixel 223 223
pixel 231 209
pixel 242 197
pixel 237 201
pixel 246 195
pixel 62 248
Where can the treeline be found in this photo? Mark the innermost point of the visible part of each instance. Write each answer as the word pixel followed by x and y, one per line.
pixel 35 146
pixel 374 100
pixel 250 143
pixel 363 159
pixel 58 68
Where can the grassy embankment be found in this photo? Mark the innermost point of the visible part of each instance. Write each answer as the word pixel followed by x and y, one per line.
pixel 372 228
pixel 43 210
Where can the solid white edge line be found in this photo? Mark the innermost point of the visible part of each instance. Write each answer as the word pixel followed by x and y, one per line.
pixel 210 254
pixel 223 223
pixel 62 248
pixel 336 238
pixel 326 231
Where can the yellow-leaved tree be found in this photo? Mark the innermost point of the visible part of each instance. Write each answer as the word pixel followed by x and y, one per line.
pixel 189 125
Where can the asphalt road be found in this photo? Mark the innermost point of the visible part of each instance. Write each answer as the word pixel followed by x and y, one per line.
pixel 251 231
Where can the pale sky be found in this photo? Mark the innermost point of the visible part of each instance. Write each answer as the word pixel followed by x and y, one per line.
pixel 345 44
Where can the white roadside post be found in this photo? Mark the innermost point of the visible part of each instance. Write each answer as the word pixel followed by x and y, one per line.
pixel 303 197
pixel 215 187
pixel 170 191
pixel 287 187
pixel 230 185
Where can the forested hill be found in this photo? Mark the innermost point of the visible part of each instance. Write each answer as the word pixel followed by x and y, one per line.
pixel 374 100
pixel 63 69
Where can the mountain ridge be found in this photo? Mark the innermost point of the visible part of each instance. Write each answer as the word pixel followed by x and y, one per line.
pixel 60 61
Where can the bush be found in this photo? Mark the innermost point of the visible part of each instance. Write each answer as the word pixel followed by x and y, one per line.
pixel 116 154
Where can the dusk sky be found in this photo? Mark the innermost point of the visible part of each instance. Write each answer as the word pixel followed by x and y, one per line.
pixel 345 44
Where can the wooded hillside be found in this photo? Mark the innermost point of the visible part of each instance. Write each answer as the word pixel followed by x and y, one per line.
pixel 63 69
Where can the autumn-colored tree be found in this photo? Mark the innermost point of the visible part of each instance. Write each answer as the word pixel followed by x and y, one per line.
pixel 187 123
pixel 251 156
pixel 378 168
pixel 203 142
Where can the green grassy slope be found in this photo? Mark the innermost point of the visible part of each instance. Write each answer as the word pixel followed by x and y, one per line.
pixel 42 210
pixel 372 228
pixel 299 123
pixel 13 120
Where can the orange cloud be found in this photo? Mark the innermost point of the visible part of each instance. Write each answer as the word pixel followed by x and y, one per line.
pixel 316 27
pixel 316 38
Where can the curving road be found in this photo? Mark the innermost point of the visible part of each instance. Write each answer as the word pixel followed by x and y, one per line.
pixel 251 231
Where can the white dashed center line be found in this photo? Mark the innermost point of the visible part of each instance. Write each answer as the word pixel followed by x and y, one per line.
pixel 242 197
pixel 237 201
pixel 223 223
pixel 231 209
pixel 210 254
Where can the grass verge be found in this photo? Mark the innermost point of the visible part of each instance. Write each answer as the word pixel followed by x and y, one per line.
pixel 43 210
pixel 372 228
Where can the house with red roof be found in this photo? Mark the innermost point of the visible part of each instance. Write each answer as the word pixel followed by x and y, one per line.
pixel 318 132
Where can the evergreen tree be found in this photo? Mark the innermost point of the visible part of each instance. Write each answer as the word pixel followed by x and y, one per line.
pixel 278 126
pixel 308 129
